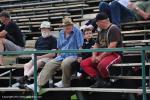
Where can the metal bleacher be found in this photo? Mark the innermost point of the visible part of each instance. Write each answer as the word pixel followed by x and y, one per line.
pixel 28 14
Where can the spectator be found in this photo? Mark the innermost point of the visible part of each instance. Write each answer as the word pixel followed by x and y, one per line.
pixel 145 6
pixel 125 11
pixel 98 65
pixel 11 38
pixel 44 42
pixel 70 38
pixel 88 43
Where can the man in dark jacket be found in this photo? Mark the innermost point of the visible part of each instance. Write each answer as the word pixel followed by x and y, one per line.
pixel 11 38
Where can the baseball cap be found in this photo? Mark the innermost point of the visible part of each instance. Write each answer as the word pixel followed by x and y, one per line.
pixel 101 16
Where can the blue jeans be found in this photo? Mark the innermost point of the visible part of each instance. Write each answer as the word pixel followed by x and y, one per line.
pixel 117 12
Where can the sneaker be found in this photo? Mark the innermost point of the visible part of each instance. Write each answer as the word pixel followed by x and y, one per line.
pixel 59 84
pixel 31 86
pixel 23 80
pixel 79 74
pixel 20 86
pixel 16 85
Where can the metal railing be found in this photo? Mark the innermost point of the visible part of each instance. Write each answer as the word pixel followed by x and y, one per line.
pixel 141 49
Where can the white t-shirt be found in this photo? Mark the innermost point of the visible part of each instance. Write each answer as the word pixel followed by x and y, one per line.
pixel 125 3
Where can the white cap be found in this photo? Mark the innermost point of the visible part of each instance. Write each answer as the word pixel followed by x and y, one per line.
pixel 45 24
pixel 90 26
pixel 84 27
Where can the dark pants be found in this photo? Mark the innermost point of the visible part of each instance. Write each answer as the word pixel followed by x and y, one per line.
pixel 117 12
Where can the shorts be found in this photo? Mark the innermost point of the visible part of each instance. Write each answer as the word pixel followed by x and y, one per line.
pixel 10 46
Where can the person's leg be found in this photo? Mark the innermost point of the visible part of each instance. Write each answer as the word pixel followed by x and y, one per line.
pixel 27 67
pixel 127 15
pixel 119 13
pixel 10 46
pixel 106 62
pixel 105 7
pixel 115 13
pixel 102 80
pixel 7 46
pixel 1 50
pixel 25 79
pixel 48 71
pixel 88 67
pixel 67 70
pixel 30 68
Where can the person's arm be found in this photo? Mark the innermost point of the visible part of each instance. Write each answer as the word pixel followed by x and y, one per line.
pixel 104 54
pixel 3 33
pixel 139 10
pixel 79 39
pixel 50 55
pixel 59 43
pixel 96 45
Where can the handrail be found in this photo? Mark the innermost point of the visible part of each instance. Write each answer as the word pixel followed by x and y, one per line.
pixel 142 49
pixel 74 51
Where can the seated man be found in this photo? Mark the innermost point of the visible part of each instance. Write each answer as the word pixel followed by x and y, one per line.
pixel 44 42
pixel 124 11
pixel 69 38
pixel 98 65
pixel 88 43
pixel 11 38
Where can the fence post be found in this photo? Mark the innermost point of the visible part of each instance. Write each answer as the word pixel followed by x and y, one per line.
pixel 35 77
pixel 10 80
pixel 143 74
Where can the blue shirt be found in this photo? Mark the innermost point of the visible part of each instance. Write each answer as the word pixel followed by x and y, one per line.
pixel 73 41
